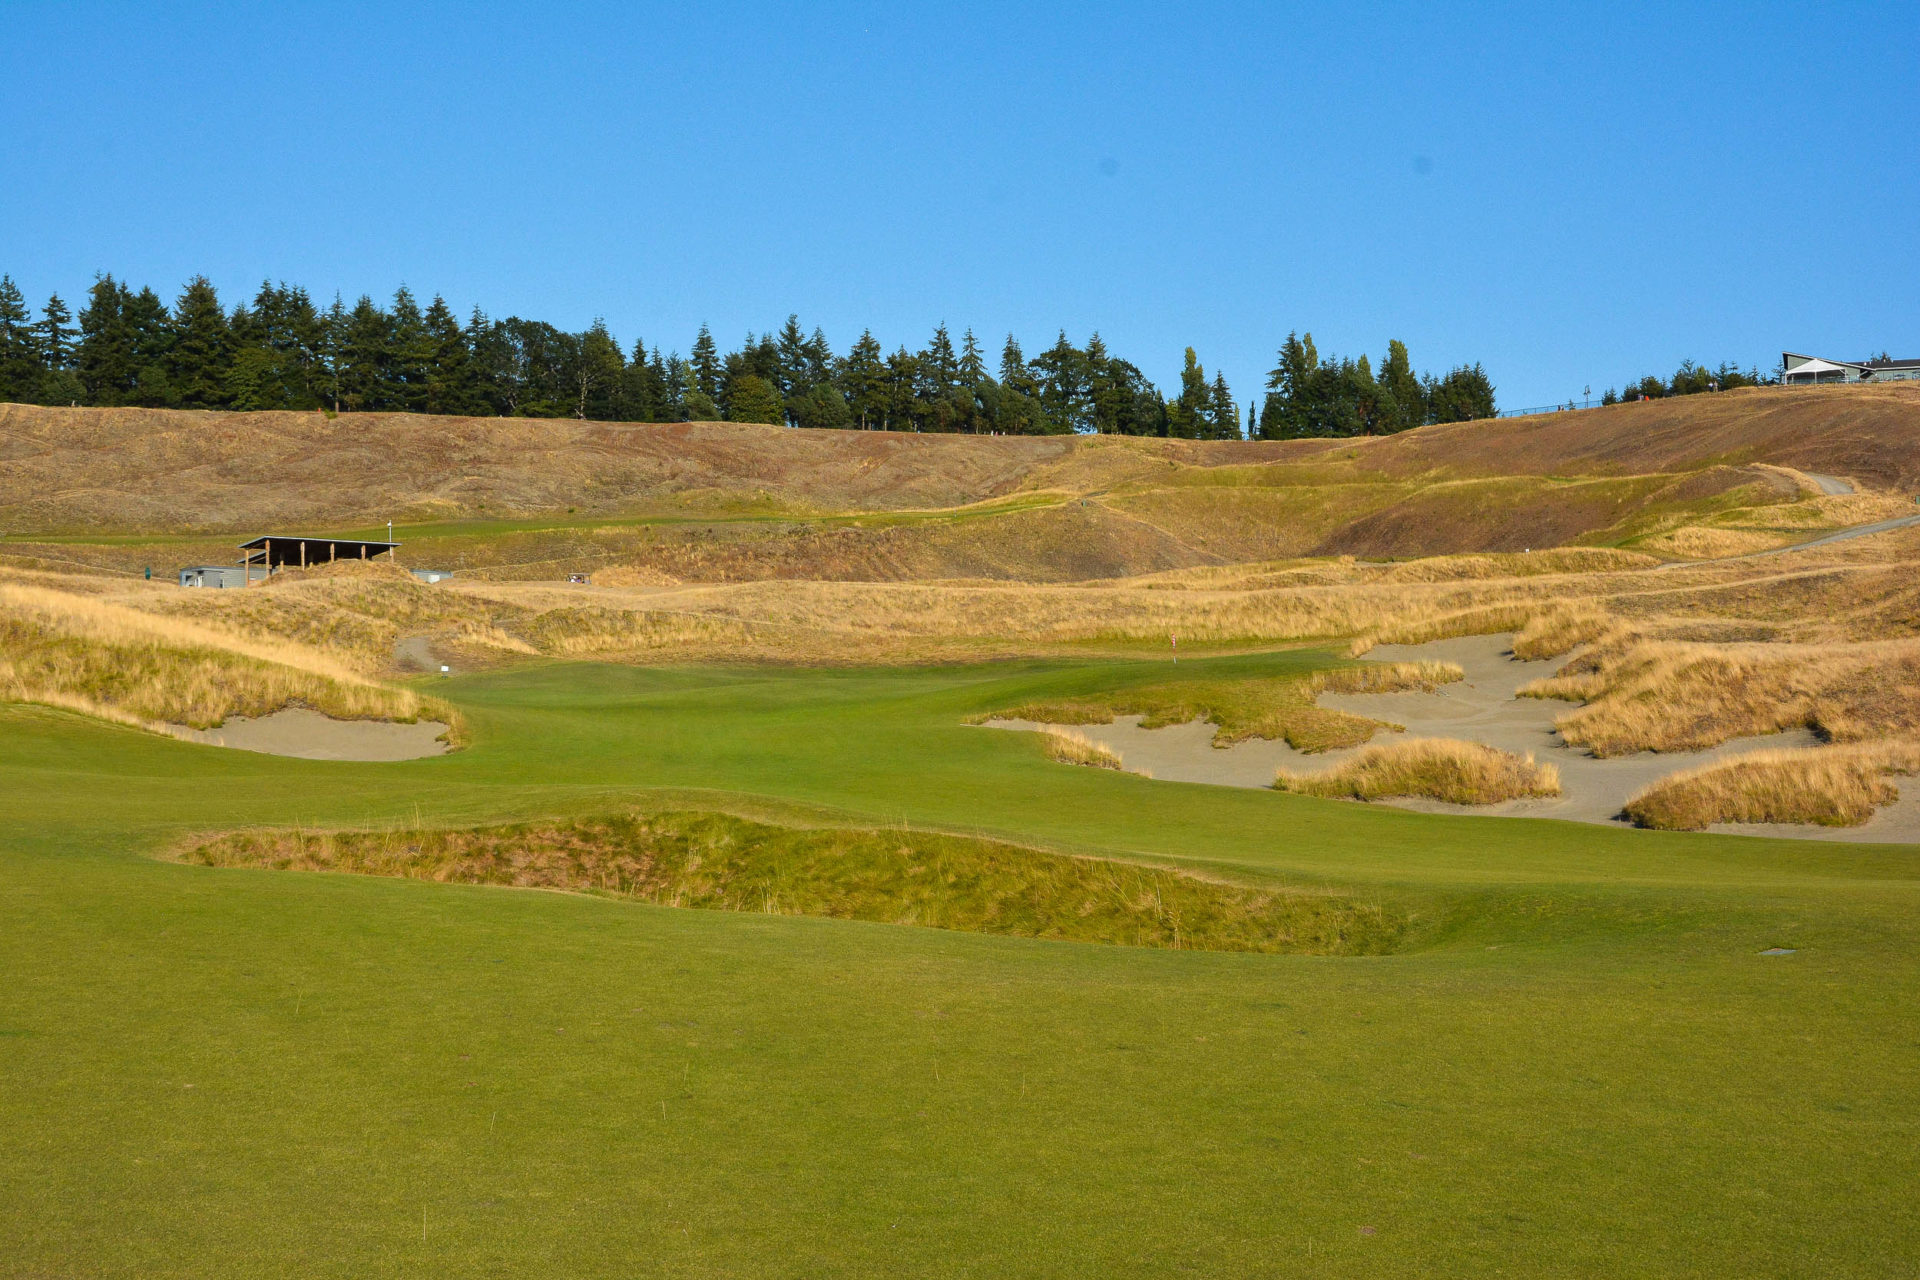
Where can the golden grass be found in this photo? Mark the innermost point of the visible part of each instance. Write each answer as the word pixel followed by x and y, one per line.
pixel 1070 746
pixel 1650 695
pixel 719 862
pixel 109 660
pixel 1436 768
pixel 1239 709
pixel 1699 542
pixel 1837 786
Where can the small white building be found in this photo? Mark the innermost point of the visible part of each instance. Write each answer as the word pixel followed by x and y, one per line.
pixel 213 575
pixel 1802 370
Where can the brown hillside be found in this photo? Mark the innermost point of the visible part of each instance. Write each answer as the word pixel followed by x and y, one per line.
pixel 77 470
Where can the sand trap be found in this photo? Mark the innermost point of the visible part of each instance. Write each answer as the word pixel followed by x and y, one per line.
pixel 1480 708
pixel 312 736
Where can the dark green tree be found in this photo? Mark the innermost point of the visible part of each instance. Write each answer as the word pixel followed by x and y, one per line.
pixel 202 353
pixel 752 398
pixel 20 368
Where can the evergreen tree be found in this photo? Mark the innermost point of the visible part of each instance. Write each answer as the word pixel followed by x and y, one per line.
pixel 1404 396
pixel 596 369
pixel 449 382
pixel 863 383
pixel 408 369
pixel 105 360
pixel 1187 416
pixel 1462 396
pixel 202 352
pixel 705 364
pixel 365 358
pixel 20 368
pixel 790 373
pixel 752 398
pixel 1223 414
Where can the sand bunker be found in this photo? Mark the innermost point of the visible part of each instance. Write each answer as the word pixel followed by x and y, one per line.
pixel 1480 708
pixel 312 736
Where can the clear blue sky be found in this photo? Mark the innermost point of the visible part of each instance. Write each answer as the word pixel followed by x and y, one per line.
pixel 1571 194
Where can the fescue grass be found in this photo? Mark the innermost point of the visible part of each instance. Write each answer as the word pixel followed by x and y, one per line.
pixel 724 863
pixel 1241 709
pixel 1838 786
pixel 1069 746
pixel 1434 768
pixel 1644 695
pixel 104 659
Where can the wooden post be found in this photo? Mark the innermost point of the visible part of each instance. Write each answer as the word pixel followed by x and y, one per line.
pixel 266 559
pixel 303 553
pixel 331 549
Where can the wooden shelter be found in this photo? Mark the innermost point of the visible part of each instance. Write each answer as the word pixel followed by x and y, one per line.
pixel 271 551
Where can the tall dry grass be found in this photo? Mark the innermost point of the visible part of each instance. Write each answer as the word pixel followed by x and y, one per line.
pixel 1446 769
pixel 1829 786
pixel 1070 746
pixel 106 659
pixel 1654 695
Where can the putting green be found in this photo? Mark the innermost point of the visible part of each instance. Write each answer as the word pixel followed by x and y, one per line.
pixel 1582 1065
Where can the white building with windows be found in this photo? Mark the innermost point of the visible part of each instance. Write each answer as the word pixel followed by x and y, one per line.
pixel 1800 370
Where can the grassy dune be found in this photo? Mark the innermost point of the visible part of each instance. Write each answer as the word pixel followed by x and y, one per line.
pixel 723 863
pixel 68 650
pixel 1241 709
pixel 1828 786
pixel 1435 768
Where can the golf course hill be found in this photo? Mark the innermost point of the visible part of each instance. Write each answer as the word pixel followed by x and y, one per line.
pixel 717 502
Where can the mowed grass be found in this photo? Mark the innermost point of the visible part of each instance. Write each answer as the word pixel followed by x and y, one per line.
pixel 1578 1064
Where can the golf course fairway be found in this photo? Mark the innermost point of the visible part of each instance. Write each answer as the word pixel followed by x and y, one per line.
pixel 1578 1061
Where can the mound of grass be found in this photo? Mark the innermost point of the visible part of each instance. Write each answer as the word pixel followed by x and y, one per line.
pixel 1438 768
pixel 724 863
pixel 1244 708
pixel 1069 746
pixel 1827 786
pixel 1656 695
pixel 107 660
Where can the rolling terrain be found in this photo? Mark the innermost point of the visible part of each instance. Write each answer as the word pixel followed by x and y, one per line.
pixel 729 942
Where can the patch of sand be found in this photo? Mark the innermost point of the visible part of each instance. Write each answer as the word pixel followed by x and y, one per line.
pixel 309 735
pixel 1480 708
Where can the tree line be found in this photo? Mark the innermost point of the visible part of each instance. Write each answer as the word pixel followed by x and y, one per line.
pixel 1311 396
pixel 280 350
pixel 1689 379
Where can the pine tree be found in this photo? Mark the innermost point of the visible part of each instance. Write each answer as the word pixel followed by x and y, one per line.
pixel 705 363
pixel 863 382
pixel 20 368
pixel 1223 413
pixel 105 358
pixel 449 386
pixel 791 372
pixel 365 358
pixel 1187 416
pixel 202 354
pixel 1404 396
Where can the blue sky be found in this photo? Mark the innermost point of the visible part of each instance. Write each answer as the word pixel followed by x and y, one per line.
pixel 1570 194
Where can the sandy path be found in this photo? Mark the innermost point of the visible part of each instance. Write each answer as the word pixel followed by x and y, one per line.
pixel 309 735
pixel 1830 484
pixel 1480 708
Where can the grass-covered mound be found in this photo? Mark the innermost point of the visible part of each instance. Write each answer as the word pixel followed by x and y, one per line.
pixel 102 658
pixel 724 863
pixel 1248 707
pixel 1826 786
pixel 1436 768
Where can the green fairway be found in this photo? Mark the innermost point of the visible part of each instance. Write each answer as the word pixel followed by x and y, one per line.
pixel 1578 1064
